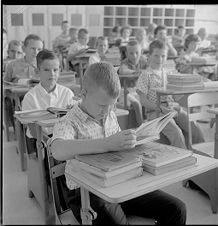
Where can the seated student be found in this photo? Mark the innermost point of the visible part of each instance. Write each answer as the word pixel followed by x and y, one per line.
pixel 48 93
pixel 61 41
pixel 73 32
pixel 115 34
pixel 140 36
pixel 150 32
pixel 134 63
pixel 204 43
pixel 102 47
pixel 154 77
pixel 179 38
pixel 25 67
pixel 75 48
pixel 14 52
pixel 92 127
pixel 191 56
pixel 160 34
pixel 125 33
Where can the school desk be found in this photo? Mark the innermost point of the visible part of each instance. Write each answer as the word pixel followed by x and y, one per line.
pixel 163 91
pixel 36 183
pixel 125 87
pixel 212 62
pixel 141 185
pixel 215 111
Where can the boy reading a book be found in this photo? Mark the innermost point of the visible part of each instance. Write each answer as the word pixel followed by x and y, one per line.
pixel 91 127
pixel 155 77
pixel 25 68
pixel 133 64
pixel 48 93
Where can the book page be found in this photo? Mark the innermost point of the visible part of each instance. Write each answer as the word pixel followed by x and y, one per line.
pixel 150 130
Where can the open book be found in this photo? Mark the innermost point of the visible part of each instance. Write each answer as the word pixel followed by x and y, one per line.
pixel 39 114
pixel 150 130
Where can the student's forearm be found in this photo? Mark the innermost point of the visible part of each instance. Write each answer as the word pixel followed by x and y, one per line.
pixel 66 149
pixel 124 71
pixel 146 103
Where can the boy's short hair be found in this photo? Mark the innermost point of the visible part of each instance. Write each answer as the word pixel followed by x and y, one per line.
pixel 190 38
pixel 116 29
pixel 101 38
pixel 127 27
pixel 159 28
pixel 103 75
pixel 14 43
pixel 31 37
pixel 45 54
pixel 64 22
pixel 73 29
pixel 82 31
pixel 132 43
pixel 156 44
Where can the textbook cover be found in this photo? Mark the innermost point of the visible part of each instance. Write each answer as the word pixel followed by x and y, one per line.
pixel 150 130
pixel 157 155
pixel 109 161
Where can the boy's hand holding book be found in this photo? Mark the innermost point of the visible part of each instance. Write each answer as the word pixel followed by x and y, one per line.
pixel 125 139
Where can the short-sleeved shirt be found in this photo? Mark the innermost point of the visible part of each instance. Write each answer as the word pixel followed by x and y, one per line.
pixel 142 64
pixel 152 79
pixel 77 124
pixel 39 98
pixel 20 68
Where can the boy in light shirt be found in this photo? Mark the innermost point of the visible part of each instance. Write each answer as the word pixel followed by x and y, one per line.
pixel 92 127
pixel 102 47
pixel 25 68
pixel 48 93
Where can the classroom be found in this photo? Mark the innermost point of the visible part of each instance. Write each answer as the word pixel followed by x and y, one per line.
pixel 109 114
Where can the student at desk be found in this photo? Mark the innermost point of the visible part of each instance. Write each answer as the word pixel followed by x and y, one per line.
pixel 102 47
pixel 155 77
pixel 91 127
pixel 76 47
pixel 48 93
pixel 191 56
pixel 134 63
pixel 21 69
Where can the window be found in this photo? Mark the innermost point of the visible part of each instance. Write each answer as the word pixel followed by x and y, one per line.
pixel 16 19
pixel 76 19
pixel 38 19
pixel 57 19
pixel 94 20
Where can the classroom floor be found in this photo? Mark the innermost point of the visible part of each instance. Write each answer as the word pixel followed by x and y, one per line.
pixel 19 209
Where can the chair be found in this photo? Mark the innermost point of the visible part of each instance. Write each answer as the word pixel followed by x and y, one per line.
pixel 206 181
pixel 56 169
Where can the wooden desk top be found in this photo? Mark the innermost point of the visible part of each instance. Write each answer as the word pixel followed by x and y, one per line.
pixel 213 111
pixel 147 182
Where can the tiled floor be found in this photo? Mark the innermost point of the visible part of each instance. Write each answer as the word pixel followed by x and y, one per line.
pixel 19 209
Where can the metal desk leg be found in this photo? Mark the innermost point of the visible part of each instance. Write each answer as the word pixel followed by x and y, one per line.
pixel 81 74
pixel 216 140
pixel 87 213
pixel 125 93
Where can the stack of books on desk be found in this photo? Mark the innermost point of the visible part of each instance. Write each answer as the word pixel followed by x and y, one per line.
pixel 160 158
pixel 106 169
pixel 184 82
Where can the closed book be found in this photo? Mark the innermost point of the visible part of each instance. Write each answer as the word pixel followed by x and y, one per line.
pixel 98 172
pixel 184 77
pixel 185 87
pixel 106 182
pixel 109 161
pixel 156 154
pixel 57 111
pixel 179 164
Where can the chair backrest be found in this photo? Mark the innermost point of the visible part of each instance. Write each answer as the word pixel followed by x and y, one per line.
pixel 56 169
pixel 204 101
